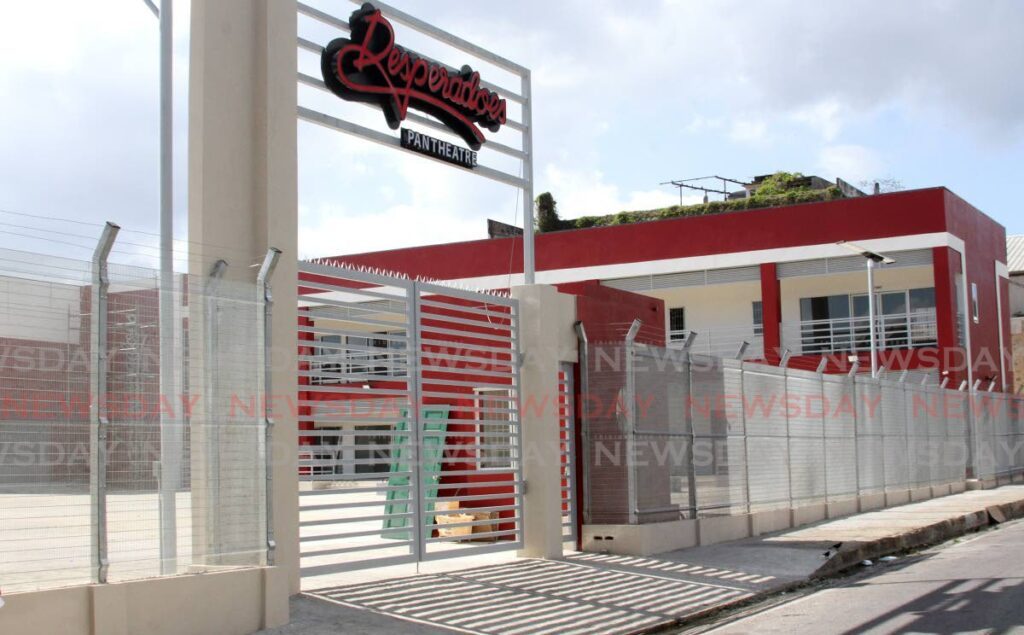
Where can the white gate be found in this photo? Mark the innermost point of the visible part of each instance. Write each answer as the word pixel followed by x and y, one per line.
pixel 409 440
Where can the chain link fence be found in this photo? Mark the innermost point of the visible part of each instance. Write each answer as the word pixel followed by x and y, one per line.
pixel 672 435
pixel 108 473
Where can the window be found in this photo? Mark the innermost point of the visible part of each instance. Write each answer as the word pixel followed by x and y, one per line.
pixel 495 429
pixel 758 313
pixel 974 302
pixel 676 324
pixel 838 323
pixel 819 331
pixel 381 354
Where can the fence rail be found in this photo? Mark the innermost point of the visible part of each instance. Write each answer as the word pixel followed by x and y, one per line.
pixel 902 330
pixel 103 476
pixel 673 435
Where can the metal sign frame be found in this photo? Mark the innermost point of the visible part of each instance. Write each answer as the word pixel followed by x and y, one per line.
pixel 523 181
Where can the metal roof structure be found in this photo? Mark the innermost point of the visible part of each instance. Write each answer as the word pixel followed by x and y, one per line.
pixel 1015 253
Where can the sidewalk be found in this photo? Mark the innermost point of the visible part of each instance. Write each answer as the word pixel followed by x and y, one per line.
pixel 588 593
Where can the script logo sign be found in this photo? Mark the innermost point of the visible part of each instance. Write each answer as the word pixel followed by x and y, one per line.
pixel 369 67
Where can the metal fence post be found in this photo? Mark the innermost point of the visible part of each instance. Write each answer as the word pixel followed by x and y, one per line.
pixel 267 299
pixel 630 397
pixel 210 377
pixel 906 432
pixel 99 423
pixel 414 426
pixel 584 413
pixel 852 377
pixel 824 440
pixel 746 445
pixel 789 436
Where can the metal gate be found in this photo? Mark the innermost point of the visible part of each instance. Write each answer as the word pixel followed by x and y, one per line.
pixel 409 429
pixel 567 450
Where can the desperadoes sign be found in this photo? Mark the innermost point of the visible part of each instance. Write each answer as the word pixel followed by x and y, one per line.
pixel 370 67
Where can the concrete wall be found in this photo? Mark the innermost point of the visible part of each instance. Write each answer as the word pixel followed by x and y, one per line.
pixel 226 603
pixel 712 307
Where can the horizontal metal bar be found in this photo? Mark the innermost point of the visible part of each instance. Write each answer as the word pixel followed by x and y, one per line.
pixel 468 335
pixel 473 372
pixel 349 477
pixel 464 346
pixel 430 381
pixel 359 519
pixel 343 390
pixel 314 329
pixel 355 505
pixel 475 537
pixel 355 306
pixel 489 362
pixel 429 289
pixel 503 545
pixel 312 116
pixel 348 273
pixel 326 18
pixel 501 315
pixel 354 549
pixel 350 534
pixel 382 489
pixel 481 323
pixel 359 564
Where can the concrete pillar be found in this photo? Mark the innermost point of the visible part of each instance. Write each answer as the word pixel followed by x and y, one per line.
pixel 243 195
pixel 546 338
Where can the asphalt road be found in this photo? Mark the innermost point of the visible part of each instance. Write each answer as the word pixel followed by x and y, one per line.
pixel 972 586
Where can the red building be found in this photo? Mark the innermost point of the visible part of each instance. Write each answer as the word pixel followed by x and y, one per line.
pixel 777 279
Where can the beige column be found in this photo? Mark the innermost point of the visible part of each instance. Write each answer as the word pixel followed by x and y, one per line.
pixel 243 196
pixel 546 338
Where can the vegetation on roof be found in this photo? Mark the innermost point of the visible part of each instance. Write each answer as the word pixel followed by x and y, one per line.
pixel 775 191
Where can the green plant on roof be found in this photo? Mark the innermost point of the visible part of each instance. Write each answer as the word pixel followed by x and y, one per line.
pixel 781 188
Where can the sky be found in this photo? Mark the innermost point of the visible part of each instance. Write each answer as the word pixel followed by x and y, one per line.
pixel 626 96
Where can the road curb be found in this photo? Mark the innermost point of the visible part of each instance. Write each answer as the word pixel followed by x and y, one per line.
pixel 851 554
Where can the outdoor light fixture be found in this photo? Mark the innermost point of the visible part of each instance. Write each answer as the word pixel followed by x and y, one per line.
pixel 872 258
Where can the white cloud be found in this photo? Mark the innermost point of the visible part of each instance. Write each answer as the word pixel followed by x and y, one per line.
pixel 586 193
pixel 824 117
pixel 852 163
pixel 749 131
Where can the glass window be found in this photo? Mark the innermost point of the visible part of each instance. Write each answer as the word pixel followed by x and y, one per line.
pixel 894 302
pixel 825 307
pixel 922 299
pixel 974 302
pixel 758 314
pixel 676 324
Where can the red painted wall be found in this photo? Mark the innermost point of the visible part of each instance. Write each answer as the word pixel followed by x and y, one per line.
pixel 984 244
pixel 896 214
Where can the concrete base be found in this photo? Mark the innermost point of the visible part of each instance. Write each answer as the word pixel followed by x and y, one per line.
pixel 714 530
pixel 920 494
pixel 868 502
pixel 640 540
pixel 809 514
pixel 225 603
pixel 655 538
pixel 770 521
pixel 975 484
pixel 846 507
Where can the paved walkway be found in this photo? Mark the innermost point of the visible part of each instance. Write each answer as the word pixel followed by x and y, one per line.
pixel 597 593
